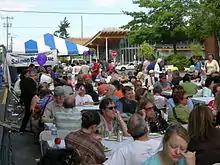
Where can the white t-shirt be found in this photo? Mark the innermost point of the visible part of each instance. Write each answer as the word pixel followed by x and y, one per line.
pixel 134 153
pixel 76 69
pixel 45 78
pixel 81 100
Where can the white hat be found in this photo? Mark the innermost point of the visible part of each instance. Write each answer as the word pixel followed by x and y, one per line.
pixel 151 71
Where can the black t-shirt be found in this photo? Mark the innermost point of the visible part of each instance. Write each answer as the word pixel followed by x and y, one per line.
pixel 207 151
pixel 159 125
pixel 176 81
pixel 28 89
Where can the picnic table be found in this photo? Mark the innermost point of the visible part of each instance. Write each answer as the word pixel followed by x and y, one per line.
pixel 202 100
pixel 167 93
pixel 87 108
pixel 111 144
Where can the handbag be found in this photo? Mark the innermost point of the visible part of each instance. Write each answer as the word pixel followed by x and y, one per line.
pixel 38 113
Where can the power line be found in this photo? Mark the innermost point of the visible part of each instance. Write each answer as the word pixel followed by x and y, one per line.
pixel 59 12
pixel 32 27
pixel 47 27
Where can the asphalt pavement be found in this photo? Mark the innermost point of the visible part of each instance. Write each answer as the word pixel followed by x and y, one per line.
pixel 2 110
pixel 18 149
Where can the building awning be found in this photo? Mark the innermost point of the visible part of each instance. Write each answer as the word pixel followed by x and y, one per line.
pixel 113 35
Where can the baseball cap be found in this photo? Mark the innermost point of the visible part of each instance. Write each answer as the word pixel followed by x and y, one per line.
pixel 58 91
pixel 151 71
pixel 151 58
pixel 175 68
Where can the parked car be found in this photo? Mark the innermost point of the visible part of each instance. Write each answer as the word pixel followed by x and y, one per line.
pixel 130 66
pixel 80 61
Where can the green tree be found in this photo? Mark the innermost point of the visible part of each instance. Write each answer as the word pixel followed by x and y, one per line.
pixel 178 60
pixel 62 32
pixel 165 22
pixel 63 59
pixel 196 50
pixel 146 50
pixel 205 21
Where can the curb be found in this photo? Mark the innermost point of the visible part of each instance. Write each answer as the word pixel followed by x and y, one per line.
pixel 5 96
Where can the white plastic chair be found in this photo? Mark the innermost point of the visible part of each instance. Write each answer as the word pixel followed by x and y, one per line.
pixel 46 136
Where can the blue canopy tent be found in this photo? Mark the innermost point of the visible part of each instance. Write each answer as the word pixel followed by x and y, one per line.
pixel 50 42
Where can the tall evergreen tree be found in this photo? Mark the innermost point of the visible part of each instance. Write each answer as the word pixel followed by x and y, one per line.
pixel 62 32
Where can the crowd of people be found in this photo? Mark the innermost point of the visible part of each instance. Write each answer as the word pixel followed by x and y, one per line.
pixel 133 103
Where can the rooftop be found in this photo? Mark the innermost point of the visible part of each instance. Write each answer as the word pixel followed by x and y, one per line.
pixel 110 33
pixel 78 40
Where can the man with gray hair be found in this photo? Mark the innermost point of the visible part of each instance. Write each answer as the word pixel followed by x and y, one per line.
pixel 140 149
pixel 70 117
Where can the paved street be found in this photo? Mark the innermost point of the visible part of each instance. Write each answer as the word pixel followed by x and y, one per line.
pixel 24 150
pixel 2 111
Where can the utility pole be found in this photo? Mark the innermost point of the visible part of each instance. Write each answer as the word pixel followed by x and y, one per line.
pixel 12 42
pixel 82 30
pixel 7 25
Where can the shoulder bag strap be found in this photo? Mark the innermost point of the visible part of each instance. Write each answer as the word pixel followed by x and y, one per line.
pixel 178 119
pixel 45 105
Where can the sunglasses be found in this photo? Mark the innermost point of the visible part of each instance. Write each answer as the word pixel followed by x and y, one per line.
pixel 111 108
pixel 150 108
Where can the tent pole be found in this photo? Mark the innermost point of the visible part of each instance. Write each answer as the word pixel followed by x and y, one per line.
pixel 81 30
pixel 106 49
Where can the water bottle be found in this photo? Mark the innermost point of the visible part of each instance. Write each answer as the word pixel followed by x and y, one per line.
pixel 120 136
pixel 53 132
pixel 148 127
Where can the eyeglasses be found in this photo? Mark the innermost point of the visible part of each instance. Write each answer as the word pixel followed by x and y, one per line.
pixel 111 108
pixel 149 108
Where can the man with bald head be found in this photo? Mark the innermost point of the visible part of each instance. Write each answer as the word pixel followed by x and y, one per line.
pixel 69 103
pixel 140 149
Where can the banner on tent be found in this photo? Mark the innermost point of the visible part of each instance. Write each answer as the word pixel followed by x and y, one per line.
pixel 24 61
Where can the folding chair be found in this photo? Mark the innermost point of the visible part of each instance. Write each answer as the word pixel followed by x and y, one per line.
pixel 44 136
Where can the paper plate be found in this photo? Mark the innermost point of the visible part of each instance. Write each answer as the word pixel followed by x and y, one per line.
pixel 113 138
pixel 154 134
pixel 107 149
